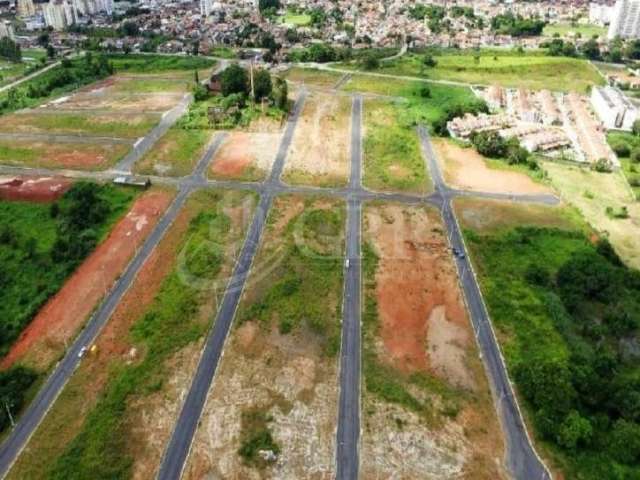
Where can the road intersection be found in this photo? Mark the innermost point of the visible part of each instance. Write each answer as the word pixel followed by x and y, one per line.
pixel 522 460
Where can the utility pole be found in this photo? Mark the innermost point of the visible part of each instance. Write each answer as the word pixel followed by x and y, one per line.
pixel 6 405
pixel 253 93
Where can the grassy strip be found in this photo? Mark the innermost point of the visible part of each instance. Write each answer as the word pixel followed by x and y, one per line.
pixel 504 68
pixel 132 127
pixel 392 156
pixel 174 320
pixel 132 63
pixel 34 259
pixel 176 153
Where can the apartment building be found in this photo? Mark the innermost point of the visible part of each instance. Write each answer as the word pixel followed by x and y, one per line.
pixel 613 108
pixel 625 22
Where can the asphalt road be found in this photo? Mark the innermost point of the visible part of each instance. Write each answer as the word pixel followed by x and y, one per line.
pixel 521 458
pixel 347 458
pixel 177 451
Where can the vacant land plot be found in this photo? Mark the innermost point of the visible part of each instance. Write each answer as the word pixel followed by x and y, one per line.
pixel 603 199
pixel 313 77
pixel 466 169
pixel 533 72
pixel 129 125
pixel 176 153
pixel 392 156
pixel 556 292
pixel 319 153
pixel 245 156
pixel 585 30
pixel 115 415
pixel 427 409
pixel 33 189
pixel 57 322
pixel 276 387
pixel 81 156
pixel 295 19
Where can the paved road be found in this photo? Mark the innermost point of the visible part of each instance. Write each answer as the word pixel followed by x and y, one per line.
pixel 522 460
pixel 177 451
pixel 143 146
pixel 347 457
pixel 29 77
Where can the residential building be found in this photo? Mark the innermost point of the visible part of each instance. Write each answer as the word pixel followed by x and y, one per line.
pixel 625 22
pixel 600 13
pixel 25 8
pixel 58 15
pixel 613 108
pixel 6 30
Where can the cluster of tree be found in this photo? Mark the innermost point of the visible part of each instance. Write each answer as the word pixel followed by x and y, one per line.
pixel 69 73
pixel 516 25
pixel 268 8
pixel 589 401
pixel 13 385
pixel 559 48
pixel 10 50
pixel 320 53
pixel 78 214
pixel 431 12
pixel 457 110
pixel 492 145
pixel 235 81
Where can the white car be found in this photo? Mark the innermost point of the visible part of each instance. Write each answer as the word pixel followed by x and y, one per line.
pixel 82 351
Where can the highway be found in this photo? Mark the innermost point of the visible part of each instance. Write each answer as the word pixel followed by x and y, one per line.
pixel 177 451
pixel 347 458
pixel 521 458
pixel 32 416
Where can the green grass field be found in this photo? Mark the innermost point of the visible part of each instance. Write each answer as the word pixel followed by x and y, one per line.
pixel 295 19
pixel 309 261
pixel 531 71
pixel 32 269
pixel 630 169
pixel 131 126
pixel 564 29
pixel 175 154
pixel 157 63
pixel 392 155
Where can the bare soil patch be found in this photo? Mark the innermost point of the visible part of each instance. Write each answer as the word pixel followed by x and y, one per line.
pixel 58 321
pixel 246 156
pixel 286 376
pixel 466 169
pixel 426 333
pixel 319 153
pixel 30 189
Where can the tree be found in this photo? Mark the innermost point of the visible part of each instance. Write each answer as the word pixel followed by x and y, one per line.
pixel 264 5
pixel 51 52
pixel 575 431
pixel 429 61
pixel 262 85
pixel 635 128
pixel 590 49
pixel 370 62
pixel 10 50
pixel 43 39
pixel 130 29
pixel 624 441
pixel 635 155
pixel 490 144
pixel 234 79
pixel 281 94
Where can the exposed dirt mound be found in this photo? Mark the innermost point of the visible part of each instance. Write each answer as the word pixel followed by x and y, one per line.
pixel 58 321
pixel 40 189
pixel 466 169
pixel 415 266
pixel 243 152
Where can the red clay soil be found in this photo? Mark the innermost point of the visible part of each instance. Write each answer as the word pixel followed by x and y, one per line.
pixel 41 189
pixel 414 276
pixel 233 158
pixel 58 321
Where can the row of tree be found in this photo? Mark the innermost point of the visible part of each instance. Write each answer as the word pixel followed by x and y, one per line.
pixel 10 50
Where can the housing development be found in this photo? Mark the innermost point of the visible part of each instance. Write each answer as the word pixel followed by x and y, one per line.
pixel 318 239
